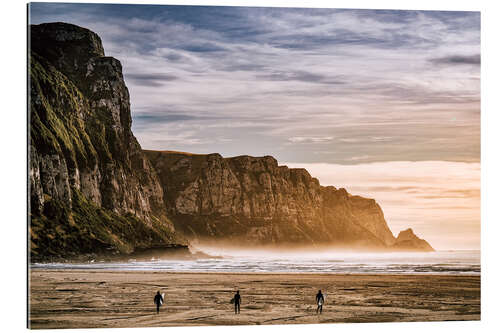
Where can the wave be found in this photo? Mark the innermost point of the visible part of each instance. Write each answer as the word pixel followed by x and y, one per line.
pixel 444 262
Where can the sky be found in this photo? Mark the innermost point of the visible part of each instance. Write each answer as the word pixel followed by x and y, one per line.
pixel 385 103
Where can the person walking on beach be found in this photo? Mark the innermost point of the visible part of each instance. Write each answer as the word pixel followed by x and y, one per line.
pixel 158 302
pixel 237 302
pixel 320 299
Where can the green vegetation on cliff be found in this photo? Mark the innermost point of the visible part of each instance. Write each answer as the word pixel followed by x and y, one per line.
pixel 61 232
pixel 55 126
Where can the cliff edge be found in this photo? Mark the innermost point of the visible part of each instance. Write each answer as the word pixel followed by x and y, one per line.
pixel 91 187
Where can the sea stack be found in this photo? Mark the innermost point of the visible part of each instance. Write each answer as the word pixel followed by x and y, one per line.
pixel 408 241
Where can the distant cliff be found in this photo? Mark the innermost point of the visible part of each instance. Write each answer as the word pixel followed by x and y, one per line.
pixel 91 187
pixel 94 190
pixel 248 200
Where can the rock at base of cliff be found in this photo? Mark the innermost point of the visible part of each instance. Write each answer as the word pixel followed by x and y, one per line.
pixel 408 241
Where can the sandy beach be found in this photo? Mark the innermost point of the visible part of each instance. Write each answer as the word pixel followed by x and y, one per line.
pixel 85 299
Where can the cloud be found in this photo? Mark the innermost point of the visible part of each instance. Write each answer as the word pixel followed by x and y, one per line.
pixel 163 117
pixel 303 76
pixel 203 47
pixel 303 139
pixel 150 80
pixel 458 60
pixel 358 158
pixel 380 138
pixel 271 74
pixel 366 139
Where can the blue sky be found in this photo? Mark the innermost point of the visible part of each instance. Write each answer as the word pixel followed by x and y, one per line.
pixel 385 103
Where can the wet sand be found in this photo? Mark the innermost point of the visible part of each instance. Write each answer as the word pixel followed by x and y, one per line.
pixel 85 299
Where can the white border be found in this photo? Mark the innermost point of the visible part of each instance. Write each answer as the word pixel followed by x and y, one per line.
pixel 13 164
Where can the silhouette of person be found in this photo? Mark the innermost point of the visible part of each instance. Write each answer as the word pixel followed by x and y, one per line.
pixel 158 301
pixel 237 302
pixel 320 299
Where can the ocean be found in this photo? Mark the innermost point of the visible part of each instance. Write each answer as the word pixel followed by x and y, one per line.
pixel 439 262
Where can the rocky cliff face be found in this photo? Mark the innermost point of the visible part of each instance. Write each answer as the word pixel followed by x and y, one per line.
pixel 250 200
pixel 91 186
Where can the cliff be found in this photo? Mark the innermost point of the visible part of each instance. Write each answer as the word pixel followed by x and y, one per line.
pixel 408 241
pixel 248 200
pixel 91 187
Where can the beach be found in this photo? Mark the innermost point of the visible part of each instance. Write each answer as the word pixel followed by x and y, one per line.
pixel 111 298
